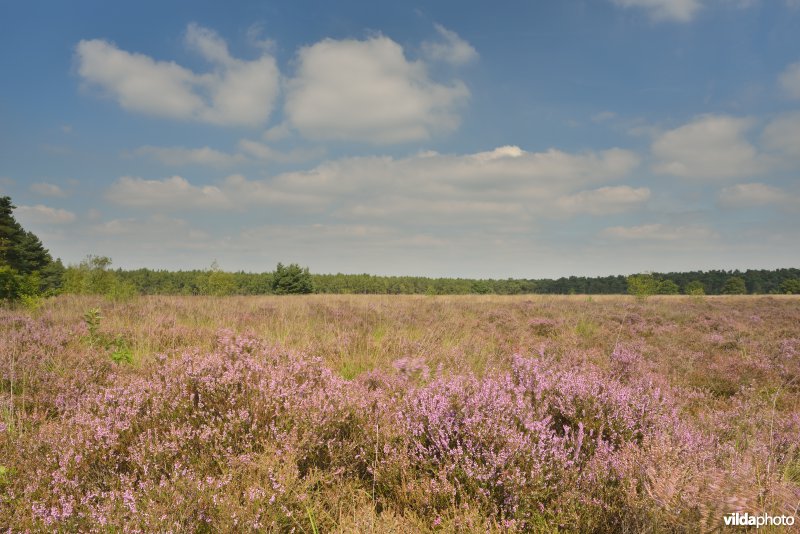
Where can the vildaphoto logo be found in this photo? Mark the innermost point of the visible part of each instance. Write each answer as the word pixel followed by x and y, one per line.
pixel 738 519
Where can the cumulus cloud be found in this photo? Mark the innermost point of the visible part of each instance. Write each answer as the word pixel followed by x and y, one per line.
pixel 659 232
pixel 790 80
pixel 41 214
pixel 504 182
pixel 174 192
pixel 711 146
pixel 673 10
pixel 47 190
pixel 178 156
pixel 234 92
pixel 782 134
pixel 232 193
pixel 754 194
pixel 495 186
pixel 368 91
pixel 450 48
pixel 266 153
pixel 604 200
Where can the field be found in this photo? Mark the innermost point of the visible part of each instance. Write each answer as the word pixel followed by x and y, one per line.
pixel 398 414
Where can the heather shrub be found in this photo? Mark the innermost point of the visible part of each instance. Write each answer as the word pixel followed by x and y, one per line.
pixel 43 367
pixel 349 414
pixel 187 423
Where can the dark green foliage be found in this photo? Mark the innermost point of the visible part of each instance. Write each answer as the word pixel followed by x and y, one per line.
pixel 152 282
pixel 10 283
pixel 791 286
pixel 695 287
pixel 734 286
pixel 27 267
pixel 668 287
pixel 291 280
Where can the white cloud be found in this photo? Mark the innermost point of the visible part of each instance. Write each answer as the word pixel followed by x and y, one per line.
pixel 790 80
pixel 47 190
pixel 754 195
pixel 235 92
pixel 178 156
pixel 711 146
pixel 174 192
pixel 495 173
pixel 368 91
pixel 266 153
pixel 232 193
pixel 604 200
pixel 659 232
pixel 496 186
pixel 276 133
pixel 450 49
pixel 152 227
pixel 674 10
pixel 501 183
pixel 782 134
pixel 41 214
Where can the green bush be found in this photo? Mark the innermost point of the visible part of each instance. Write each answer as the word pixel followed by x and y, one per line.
pixel 791 286
pixel 642 285
pixel 695 287
pixel 734 286
pixel 668 287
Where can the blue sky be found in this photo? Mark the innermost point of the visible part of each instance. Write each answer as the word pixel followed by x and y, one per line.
pixel 524 139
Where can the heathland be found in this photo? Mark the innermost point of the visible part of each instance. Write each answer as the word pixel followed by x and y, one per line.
pixel 324 413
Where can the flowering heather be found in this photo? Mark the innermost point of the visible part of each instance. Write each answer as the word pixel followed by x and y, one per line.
pixel 371 414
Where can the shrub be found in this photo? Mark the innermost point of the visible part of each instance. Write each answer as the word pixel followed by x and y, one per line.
pixel 642 285
pixel 695 287
pixel 791 286
pixel 734 286
pixel 668 287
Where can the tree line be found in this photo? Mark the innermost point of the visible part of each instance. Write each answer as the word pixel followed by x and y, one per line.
pixel 28 272
pixel 295 279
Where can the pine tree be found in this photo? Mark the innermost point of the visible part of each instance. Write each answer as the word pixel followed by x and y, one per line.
pixel 291 279
pixel 23 257
pixel 10 234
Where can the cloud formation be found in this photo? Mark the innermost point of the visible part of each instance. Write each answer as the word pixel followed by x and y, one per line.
pixel 754 194
pixel 709 147
pixel 502 185
pixel 47 190
pixel 234 92
pixel 659 232
pixel 175 193
pixel 782 134
pixel 179 156
pixel 672 10
pixel 41 214
pixel 604 200
pixel 368 91
pixel 449 49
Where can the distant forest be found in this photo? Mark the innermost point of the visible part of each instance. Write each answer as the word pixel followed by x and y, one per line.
pixel 195 282
pixel 29 273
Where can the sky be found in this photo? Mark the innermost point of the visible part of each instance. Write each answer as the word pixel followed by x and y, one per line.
pixel 451 138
